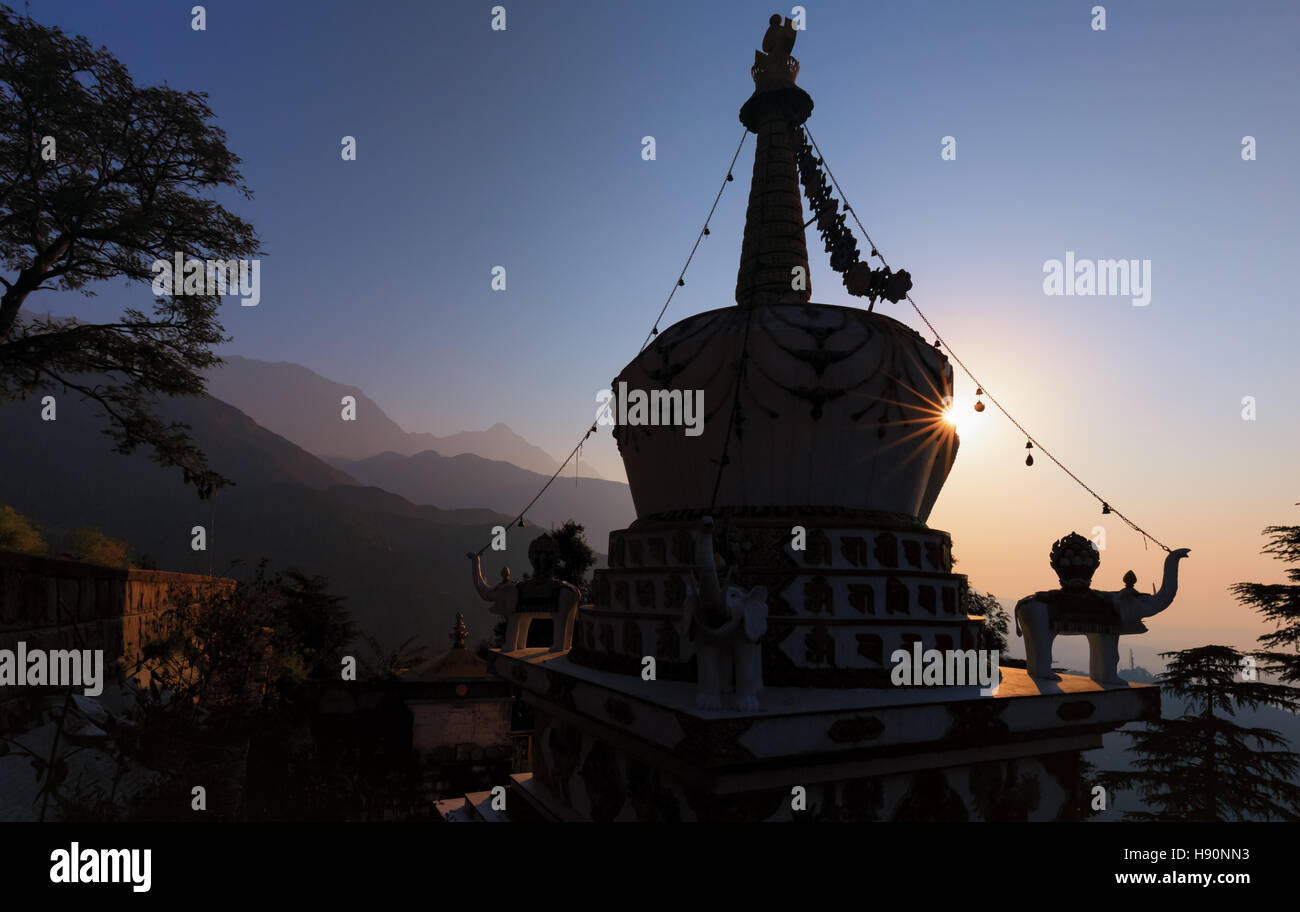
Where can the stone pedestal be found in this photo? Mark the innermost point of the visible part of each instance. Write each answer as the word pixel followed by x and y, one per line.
pixel 614 747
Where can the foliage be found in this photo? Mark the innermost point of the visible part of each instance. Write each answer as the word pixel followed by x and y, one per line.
pixel 387 665
pixel 576 556
pixel 997 621
pixel 1279 603
pixel 126 185
pixel 229 665
pixel 90 544
pixel 1202 766
pixel 19 533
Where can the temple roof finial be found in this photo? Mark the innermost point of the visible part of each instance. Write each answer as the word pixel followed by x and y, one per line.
pixel 773 67
pixel 774 252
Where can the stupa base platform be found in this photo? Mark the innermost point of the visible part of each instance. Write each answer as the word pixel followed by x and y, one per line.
pixel 613 747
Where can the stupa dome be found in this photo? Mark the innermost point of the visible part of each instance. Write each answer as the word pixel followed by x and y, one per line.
pixel 805 406
pixel 826 406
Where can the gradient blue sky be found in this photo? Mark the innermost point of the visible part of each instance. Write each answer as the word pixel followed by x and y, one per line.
pixel 522 148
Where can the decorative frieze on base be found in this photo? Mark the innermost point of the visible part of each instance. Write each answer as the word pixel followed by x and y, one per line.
pixel 838 605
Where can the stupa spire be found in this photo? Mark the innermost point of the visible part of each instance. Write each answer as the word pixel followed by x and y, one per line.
pixel 774 245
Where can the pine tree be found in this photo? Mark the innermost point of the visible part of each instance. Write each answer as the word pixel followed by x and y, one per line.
pixel 1279 603
pixel 1203 766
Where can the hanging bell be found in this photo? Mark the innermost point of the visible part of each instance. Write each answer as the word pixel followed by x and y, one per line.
pixel 681 282
pixel 1029 459
pixel 1105 508
pixel 729 177
pixel 979 406
pixel 521 522
pixel 706 230
pixel 936 343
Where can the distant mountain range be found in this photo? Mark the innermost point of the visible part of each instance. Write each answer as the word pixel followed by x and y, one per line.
pixel 402 567
pixel 305 407
pixel 455 482
pixel 493 469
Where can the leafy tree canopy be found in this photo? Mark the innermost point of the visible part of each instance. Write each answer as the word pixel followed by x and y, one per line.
pixel 99 179
pixel 19 533
pixel 88 543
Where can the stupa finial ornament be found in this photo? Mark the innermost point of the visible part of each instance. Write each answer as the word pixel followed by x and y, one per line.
pixel 459 633
pixel 774 68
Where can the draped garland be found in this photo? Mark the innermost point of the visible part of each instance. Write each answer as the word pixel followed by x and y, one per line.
pixel 858 277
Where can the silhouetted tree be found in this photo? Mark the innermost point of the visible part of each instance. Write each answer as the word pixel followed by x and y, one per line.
pixel 313 627
pixel 576 556
pixel 390 664
pixel 993 635
pixel 99 179
pixel 1279 603
pixel 1202 766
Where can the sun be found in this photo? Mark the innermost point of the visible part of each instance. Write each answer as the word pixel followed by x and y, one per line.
pixel 950 418
pixel 958 418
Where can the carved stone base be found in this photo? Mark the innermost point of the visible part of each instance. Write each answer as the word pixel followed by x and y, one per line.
pixel 837 609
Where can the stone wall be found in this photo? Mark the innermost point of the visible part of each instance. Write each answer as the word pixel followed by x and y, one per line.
pixel 478 725
pixel 50 603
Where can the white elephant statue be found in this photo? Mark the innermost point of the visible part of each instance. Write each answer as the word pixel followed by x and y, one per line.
pixel 1076 608
pixel 726 623
pixel 540 596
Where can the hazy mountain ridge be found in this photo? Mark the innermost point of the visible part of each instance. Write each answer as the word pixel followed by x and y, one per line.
pixel 306 408
pixel 460 481
pixel 401 566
